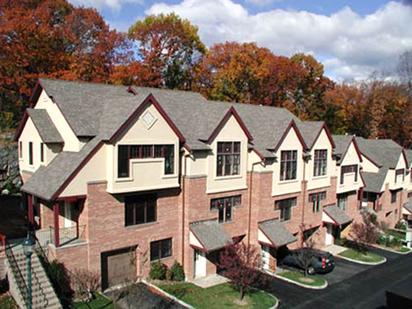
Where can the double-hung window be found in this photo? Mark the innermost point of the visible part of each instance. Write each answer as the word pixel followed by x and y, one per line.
pixel 399 172
pixel 127 152
pixel 140 209
pixel 41 152
pixel 320 162
pixel 288 164
pixel 285 207
pixel 30 153
pixel 228 158
pixel 316 199
pixel 342 201
pixel 160 249
pixel 224 206
pixel 394 195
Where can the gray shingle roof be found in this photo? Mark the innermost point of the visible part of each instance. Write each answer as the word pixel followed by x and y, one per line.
pixel 408 205
pixel 342 143
pixel 276 232
pixel 44 126
pixel 210 234
pixel 337 214
pixel 409 156
pixel 374 181
pixel 46 181
pixel 384 152
pixel 310 131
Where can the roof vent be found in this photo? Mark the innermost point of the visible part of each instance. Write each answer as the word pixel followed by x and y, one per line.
pixel 131 90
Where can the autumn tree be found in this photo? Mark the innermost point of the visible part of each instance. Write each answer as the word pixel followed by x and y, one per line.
pixel 240 264
pixel 365 232
pixel 168 49
pixel 50 38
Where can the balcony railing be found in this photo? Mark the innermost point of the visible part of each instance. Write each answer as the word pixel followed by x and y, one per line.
pixel 65 235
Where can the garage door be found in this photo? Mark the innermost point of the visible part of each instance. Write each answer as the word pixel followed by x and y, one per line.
pixel 118 267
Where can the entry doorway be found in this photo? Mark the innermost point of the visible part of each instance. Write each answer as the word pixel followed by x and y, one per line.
pixel 265 254
pixel 329 239
pixel 199 263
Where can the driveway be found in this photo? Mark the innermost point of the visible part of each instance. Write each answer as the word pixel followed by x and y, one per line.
pixel 350 285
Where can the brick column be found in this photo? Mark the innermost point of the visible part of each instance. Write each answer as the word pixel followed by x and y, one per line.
pixel 56 213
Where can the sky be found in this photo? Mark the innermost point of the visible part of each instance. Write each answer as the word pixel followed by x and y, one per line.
pixel 353 39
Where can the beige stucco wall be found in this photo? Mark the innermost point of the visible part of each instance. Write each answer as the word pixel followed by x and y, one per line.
pixel 291 142
pixel 30 134
pixel 231 132
pixel 322 142
pixel 196 164
pixel 94 170
pixel 71 142
pixel 351 157
pixel 390 176
pixel 145 174
pixel 369 166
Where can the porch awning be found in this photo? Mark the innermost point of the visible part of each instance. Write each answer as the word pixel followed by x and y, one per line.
pixel 208 235
pixel 275 233
pixel 333 214
pixel 407 207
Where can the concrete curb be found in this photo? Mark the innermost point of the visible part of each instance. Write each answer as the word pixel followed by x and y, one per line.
pixel 180 302
pixel 391 250
pixel 363 263
pixel 276 305
pixel 302 284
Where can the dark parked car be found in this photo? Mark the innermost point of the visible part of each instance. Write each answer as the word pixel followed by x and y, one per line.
pixel 320 262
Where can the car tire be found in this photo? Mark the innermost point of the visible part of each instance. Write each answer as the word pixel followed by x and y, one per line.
pixel 311 271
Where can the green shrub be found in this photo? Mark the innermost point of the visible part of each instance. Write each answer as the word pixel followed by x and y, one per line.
pixel 401 225
pixel 169 275
pixel 158 271
pixel 178 273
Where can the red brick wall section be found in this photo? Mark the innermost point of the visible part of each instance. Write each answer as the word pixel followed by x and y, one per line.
pixel 107 231
pixel 74 257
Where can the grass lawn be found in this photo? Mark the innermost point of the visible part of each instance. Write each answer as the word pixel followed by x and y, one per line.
pixel 7 302
pixel 362 257
pixel 98 303
pixel 300 278
pixel 403 249
pixel 219 296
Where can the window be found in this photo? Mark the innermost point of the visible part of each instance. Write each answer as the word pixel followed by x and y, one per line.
pixel 347 169
pixel 160 249
pixel 285 207
pixel 140 209
pixel 315 199
pixel 288 164
pixel 20 150
pixel 320 162
pixel 224 206
pixel 342 201
pixel 127 152
pixel 228 158
pixel 393 196
pixel 30 153
pixel 41 152
pixel 409 194
pixel 399 172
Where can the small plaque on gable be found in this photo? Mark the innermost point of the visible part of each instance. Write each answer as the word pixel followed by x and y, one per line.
pixel 148 119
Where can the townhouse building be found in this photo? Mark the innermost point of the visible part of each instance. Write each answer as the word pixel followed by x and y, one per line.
pixel 118 177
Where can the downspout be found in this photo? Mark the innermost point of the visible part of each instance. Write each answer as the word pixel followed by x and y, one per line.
pixel 183 206
pixel 250 202
pixel 304 198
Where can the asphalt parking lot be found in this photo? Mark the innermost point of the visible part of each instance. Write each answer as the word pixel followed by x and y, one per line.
pixel 351 285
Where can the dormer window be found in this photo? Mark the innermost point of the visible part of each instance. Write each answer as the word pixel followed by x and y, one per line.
pixel 30 153
pixel 399 172
pixel 288 164
pixel 320 162
pixel 348 169
pixel 127 152
pixel 228 158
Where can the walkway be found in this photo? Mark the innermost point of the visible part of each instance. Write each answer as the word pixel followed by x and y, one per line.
pixel 334 249
pixel 209 281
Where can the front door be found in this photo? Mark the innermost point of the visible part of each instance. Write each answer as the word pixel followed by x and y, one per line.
pixel 265 253
pixel 329 235
pixel 68 222
pixel 200 264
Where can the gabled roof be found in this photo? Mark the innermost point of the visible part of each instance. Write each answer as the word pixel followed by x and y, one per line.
pixel 311 130
pixel 382 152
pixel 342 143
pixel 47 182
pixel 408 153
pixel 276 232
pixel 337 215
pixel 210 234
pixel 374 181
pixel 44 126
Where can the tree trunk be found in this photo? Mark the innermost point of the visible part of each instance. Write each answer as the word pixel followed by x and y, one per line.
pixel 242 293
